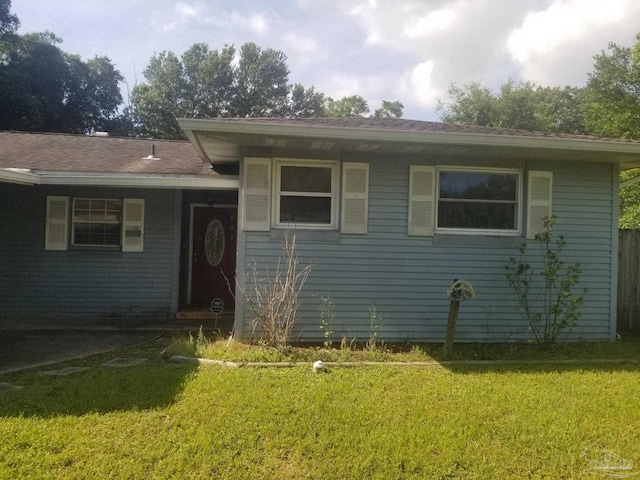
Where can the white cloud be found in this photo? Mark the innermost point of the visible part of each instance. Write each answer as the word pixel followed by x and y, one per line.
pixel 302 49
pixel 257 23
pixel 564 21
pixel 185 11
pixel 431 23
pixel 409 50
pixel 556 45
pixel 419 84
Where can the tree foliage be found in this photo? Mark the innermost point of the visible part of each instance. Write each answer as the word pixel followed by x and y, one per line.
pixel 389 109
pixel 612 106
pixel 9 22
pixel 43 88
pixel 352 106
pixel 521 105
pixel 251 82
pixel 306 102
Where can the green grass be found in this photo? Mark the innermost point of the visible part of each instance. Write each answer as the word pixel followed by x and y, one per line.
pixel 165 420
pixel 209 345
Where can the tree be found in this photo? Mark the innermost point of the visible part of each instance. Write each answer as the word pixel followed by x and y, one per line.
pixel 470 104
pixel 522 105
pixel 209 83
pixel 44 88
pixel 306 103
pixel 389 110
pixel 9 23
pixel 262 88
pixel 612 107
pixel 353 106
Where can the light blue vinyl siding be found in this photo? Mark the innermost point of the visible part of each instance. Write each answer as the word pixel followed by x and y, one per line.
pixel 406 278
pixel 85 282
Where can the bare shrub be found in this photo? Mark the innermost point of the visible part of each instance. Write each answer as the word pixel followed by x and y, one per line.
pixel 272 297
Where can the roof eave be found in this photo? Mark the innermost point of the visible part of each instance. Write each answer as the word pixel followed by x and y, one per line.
pixel 19 176
pixel 410 137
pixel 125 180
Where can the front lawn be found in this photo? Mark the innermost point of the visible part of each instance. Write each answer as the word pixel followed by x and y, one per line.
pixel 165 420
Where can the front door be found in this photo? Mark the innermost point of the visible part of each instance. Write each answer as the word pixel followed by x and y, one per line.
pixel 213 255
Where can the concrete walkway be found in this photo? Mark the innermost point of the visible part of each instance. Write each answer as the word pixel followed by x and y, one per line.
pixel 20 349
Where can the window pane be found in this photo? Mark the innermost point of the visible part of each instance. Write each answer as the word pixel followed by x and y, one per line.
pixel 82 204
pixel 305 209
pixel 478 185
pixel 491 216
pixel 305 179
pixel 96 234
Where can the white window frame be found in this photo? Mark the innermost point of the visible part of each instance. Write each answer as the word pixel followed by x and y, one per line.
pixel 481 231
pixel 335 182
pixel 73 222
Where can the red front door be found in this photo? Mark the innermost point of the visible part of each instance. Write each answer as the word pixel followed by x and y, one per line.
pixel 213 257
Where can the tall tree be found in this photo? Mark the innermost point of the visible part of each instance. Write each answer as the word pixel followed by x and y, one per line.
pixel 389 109
pixel 209 83
pixel 46 89
pixel 306 103
pixel 262 88
pixel 9 22
pixel 522 105
pixel 470 104
pixel 613 93
pixel 612 109
pixel 352 106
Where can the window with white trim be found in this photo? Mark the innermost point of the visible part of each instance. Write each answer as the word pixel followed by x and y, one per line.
pixel 306 194
pixel 479 201
pixel 96 222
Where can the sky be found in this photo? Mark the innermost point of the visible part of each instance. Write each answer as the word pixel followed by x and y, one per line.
pixel 407 50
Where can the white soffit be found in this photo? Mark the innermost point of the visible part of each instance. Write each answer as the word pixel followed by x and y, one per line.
pixel 222 128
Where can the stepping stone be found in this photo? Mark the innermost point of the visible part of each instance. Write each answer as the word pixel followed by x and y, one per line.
pixel 123 362
pixel 65 371
pixel 7 387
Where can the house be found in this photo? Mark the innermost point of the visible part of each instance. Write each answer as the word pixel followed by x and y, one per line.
pixel 389 212
pixel 97 227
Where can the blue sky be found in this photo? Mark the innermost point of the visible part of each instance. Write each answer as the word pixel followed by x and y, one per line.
pixel 407 50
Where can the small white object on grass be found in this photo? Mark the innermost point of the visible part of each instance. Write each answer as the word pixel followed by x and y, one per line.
pixel 318 366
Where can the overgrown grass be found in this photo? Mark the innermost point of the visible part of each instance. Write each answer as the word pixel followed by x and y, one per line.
pixel 164 420
pixel 211 346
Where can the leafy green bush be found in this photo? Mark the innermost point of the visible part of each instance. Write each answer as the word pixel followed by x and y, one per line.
pixel 550 306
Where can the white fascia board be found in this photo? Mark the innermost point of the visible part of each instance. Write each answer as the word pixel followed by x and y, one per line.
pixel 220 182
pixel 415 137
pixel 18 175
pixel 196 144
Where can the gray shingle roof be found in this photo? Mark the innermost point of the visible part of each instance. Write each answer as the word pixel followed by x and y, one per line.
pixel 405 125
pixel 81 153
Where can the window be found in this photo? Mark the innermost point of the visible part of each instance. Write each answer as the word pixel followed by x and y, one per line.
pixel 97 222
pixel 471 201
pixel 305 194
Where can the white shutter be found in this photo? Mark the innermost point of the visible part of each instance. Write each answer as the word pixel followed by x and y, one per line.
pixel 57 223
pixel 539 201
pixel 422 186
pixel 355 197
pixel 132 225
pixel 256 194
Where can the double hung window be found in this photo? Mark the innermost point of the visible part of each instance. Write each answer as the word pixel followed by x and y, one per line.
pixel 97 222
pixel 479 201
pixel 306 194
